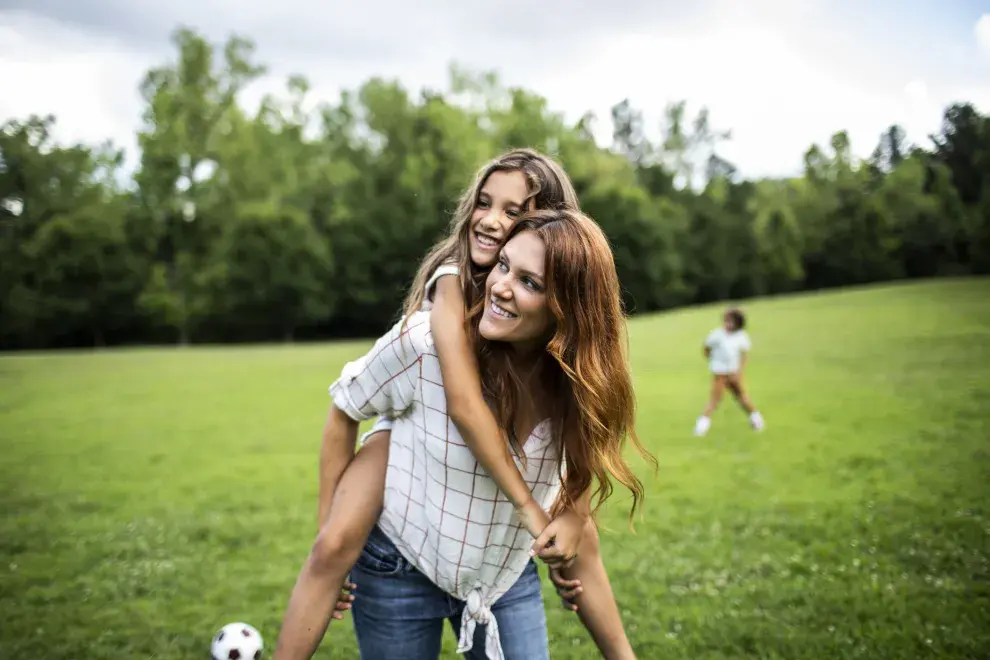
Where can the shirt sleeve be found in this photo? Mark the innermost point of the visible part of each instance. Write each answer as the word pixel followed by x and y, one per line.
pixel 744 342
pixel 384 381
pixel 382 424
pixel 445 269
pixel 711 339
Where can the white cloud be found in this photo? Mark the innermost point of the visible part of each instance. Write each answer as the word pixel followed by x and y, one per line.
pixel 755 78
pixel 918 113
pixel 780 75
pixel 982 32
pixel 916 90
pixel 89 83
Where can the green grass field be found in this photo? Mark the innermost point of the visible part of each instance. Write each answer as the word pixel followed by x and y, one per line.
pixel 150 496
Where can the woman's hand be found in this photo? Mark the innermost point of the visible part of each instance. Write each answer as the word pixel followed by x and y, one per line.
pixel 559 543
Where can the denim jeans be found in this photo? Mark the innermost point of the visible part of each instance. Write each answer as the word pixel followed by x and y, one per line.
pixel 399 613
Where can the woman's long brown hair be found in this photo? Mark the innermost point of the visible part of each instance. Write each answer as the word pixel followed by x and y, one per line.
pixel 585 367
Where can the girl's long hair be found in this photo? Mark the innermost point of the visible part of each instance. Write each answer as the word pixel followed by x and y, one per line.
pixel 585 366
pixel 549 187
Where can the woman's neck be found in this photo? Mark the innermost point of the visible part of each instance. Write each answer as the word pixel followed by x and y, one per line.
pixel 527 366
pixel 527 393
pixel 534 396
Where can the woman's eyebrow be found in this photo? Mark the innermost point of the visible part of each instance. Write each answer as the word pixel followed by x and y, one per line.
pixel 538 276
pixel 524 271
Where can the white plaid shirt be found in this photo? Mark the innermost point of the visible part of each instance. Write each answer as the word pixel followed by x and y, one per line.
pixel 443 512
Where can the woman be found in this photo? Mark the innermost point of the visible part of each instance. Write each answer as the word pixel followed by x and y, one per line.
pixel 549 337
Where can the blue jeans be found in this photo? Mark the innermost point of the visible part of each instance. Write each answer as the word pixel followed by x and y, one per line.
pixel 399 613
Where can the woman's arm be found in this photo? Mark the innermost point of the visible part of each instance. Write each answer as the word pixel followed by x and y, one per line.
pixel 336 451
pixel 377 383
pixel 466 405
pixel 585 588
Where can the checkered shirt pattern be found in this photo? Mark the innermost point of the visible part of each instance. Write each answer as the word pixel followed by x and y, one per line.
pixel 384 422
pixel 443 512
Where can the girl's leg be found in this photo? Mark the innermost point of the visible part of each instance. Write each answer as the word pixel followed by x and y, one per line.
pixel 739 391
pixel 595 601
pixel 705 421
pixel 354 510
pixel 736 385
pixel 718 387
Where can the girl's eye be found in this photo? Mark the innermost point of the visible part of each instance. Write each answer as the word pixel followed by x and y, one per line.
pixel 502 266
pixel 482 204
pixel 512 213
pixel 531 284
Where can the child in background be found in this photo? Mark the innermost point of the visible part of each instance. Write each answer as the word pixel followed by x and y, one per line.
pixel 726 349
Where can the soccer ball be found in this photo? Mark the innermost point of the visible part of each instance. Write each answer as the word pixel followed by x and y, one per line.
pixel 237 641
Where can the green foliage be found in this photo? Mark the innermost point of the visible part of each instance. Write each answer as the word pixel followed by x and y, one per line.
pixel 272 271
pixel 84 276
pixel 309 217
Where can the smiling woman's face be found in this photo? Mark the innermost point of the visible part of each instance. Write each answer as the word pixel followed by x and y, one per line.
pixel 516 308
pixel 499 205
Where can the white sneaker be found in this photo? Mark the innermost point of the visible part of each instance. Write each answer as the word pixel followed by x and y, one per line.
pixel 756 419
pixel 702 425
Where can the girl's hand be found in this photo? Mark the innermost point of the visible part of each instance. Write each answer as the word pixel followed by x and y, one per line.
pixel 533 517
pixel 559 543
pixel 344 600
pixel 568 590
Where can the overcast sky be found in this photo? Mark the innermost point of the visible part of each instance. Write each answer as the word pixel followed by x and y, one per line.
pixel 780 74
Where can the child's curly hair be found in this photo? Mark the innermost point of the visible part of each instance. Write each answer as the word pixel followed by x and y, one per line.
pixel 737 316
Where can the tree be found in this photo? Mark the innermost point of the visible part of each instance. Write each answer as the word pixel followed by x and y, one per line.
pixel 271 272
pixel 188 108
pixel 891 150
pixel 310 219
pixel 66 268
pixel 83 275
pixel 777 235
pixel 628 138
pixel 685 151
pixel 963 145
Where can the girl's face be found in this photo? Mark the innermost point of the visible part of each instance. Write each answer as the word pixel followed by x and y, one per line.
pixel 499 205
pixel 516 308
pixel 729 323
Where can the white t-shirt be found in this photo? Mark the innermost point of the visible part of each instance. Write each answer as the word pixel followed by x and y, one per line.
pixel 727 349
pixel 443 269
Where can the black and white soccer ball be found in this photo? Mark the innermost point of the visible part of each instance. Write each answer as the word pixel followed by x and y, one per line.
pixel 237 641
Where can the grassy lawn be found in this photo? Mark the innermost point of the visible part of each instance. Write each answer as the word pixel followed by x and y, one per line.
pixel 150 496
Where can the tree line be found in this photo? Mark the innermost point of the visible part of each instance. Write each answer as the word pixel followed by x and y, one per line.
pixel 297 223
